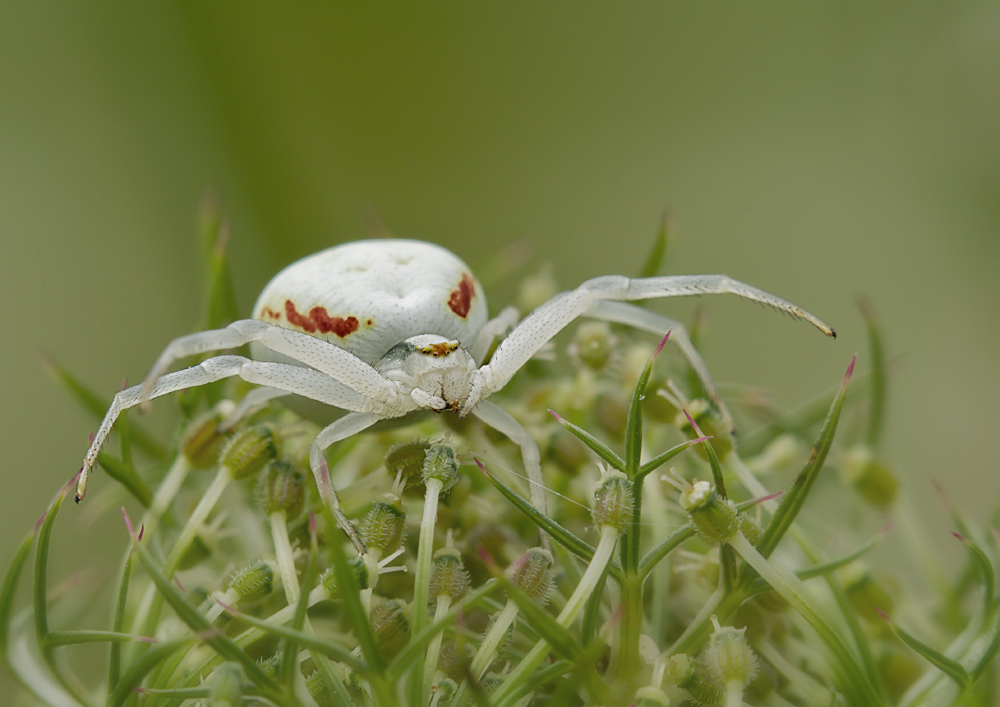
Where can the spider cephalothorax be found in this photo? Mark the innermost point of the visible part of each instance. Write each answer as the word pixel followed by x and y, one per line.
pixel 383 328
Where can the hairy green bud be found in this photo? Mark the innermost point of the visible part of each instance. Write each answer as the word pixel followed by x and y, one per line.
pixel 407 459
pixel 612 503
pixel 870 478
pixel 440 464
pixel 532 574
pixel 281 488
pixel 710 425
pixel 593 345
pixel 252 583
pixel 448 575
pixel 248 451
pixel 728 657
pixel 681 671
pixel 391 626
pixel 329 578
pixel 202 440
pixel 319 690
pixel 383 526
pixel 715 517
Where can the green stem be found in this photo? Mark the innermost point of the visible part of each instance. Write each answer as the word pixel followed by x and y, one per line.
pixel 630 627
pixel 290 583
pixel 602 555
pixel 434 649
pixel 487 649
pixel 208 500
pixel 794 592
pixel 421 583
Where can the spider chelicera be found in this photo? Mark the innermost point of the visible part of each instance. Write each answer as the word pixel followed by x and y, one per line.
pixel 382 328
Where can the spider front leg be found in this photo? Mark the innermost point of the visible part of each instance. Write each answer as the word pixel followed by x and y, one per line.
pixel 347 426
pixel 549 319
pixel 292 379
pixel 630 314
pixel 500 420
pixel 495 327
pixel 334 361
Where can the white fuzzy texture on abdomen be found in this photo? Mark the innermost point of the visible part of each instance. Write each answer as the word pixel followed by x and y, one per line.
pixel 368 296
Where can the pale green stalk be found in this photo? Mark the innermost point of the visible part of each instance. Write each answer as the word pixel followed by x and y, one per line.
pixel 488 649
pixel 290 583
pixel 734 693
pixel 208 500
pixel 421 583
pixel 602 555
pixel 791 588
pixel 434 648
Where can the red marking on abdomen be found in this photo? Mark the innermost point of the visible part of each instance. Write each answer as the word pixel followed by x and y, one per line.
pixel 320 320
pixel 268 312
pixel 460 301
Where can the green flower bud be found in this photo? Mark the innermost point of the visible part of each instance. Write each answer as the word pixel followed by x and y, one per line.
pixel 319 690
pixel 248 451
pixel 383 527
pixel 451 661
pixel 253 583
pixel 202 440
pixel 681 671
pixel 611 412
pixel 677 669
pixel 281 488
pixel 655 406
pixel 448 576
pixel 407 459
pixel 715 517
pixel 440 464
pixel 872 479
pixel 728 657
pixel 650 696
pixel 392 628
pixel 709 424
pixel 226 686
pixel 612 503
pixel 329 578
pixel 491 681
pixel 270 665
pixel 593 345
pixel 748 526
pixel 532 574
pixel 865 592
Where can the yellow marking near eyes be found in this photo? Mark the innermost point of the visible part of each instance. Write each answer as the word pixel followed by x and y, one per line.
pixel 438 350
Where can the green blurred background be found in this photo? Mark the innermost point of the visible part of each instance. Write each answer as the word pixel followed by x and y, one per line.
pixel 817 150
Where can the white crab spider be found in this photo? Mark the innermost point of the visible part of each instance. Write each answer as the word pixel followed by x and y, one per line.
pixel 385 327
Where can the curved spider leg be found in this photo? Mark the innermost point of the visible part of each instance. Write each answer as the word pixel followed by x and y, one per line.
pixel 622 288
pixel 293 379
pixel 500 420
pixel 549 319
pixel 251 402
pixel 498 326
pixel 345 427
pixel 332 360
pixel 630 314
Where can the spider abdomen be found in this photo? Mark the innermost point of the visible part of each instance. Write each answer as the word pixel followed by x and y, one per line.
pixel 368 296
